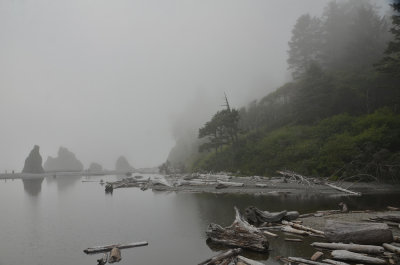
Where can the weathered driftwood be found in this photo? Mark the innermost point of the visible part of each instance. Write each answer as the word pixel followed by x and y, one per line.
pixel 221 256
pixel 306 261
pixel 239 234
pixel 356 257
pixel 248 261
pixel 115 255
pixel 389 217
pixel 269 233
pixel 316 256
pixel 368 249
pixel 293 239
pixel 302 227
pixel 391 208
pixel 358 233
pixel 291 216
pixel 256 216
pixel 391 248
pixel 335 262
pixel 231 184
pixel 110 247
pixel 260 185
pixel 290 229
pixel 343 189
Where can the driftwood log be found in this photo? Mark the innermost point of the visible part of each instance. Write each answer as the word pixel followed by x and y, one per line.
pixel 290 229
pixel 110 247
pixel 392 248
pixel 316 256
pixel 239 234
pixel 356 257
pixel 334 262
pixel 343 189
pixel 305 261
pixel 358 233
pixel 222 256
pixel 367 249
pixel 302 227
pixel 255 216
pixel 115 255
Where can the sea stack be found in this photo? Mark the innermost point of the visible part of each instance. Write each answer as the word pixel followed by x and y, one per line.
pixel 65 161
pixel 122 164
pixel 33 163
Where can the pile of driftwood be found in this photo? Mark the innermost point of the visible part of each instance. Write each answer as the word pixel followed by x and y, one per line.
pixel 114 251
pixel 355 242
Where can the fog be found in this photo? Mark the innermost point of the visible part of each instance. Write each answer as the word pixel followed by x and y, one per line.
pixel 110 78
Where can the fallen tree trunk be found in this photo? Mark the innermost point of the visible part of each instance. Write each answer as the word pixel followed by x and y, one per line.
pixel 231 184
pixel 334 262
pixel 221 256
pixel 392 248
pixel 390 217
pixel 110 247
pixel 239 234
pixel 257 217
pixel 306 261
pixel 368 249
pixel 316 256
pixel 290 229
pixel 356 257
pixel 344 190
pixel 302 227
pixel 358 233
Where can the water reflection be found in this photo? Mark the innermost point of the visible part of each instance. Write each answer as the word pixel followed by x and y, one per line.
pixel 33 186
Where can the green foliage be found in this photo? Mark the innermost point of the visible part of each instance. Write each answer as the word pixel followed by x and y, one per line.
pixel 342 145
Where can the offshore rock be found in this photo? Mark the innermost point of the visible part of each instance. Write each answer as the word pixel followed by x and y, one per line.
pixel 122 164
pixel 66 161
pixel 33 163
pixel 95 167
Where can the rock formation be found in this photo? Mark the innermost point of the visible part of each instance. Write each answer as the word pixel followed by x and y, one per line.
pixel 123 165
pixel 33 163
pixel 95 167
pixel 65 161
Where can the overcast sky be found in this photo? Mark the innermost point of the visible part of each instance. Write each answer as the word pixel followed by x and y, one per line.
pixel 106 78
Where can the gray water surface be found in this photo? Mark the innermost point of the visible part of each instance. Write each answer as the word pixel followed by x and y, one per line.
pixel 52 220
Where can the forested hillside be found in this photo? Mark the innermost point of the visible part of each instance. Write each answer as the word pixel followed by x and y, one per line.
pixel 339 117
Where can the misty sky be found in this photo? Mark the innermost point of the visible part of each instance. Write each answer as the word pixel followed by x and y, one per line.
pixel 108 78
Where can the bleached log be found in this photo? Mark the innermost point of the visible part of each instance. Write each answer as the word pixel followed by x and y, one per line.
pixel 290 229
pixel 392 248
pixel 367 249
pixel 391 208
pixel 110 247
pixel 221 256
pixel 358 233
pixel 356 257
pixel 248 261
pixel 239 234
pixel 344 190
pixel 302 227
pixel 231 184
pixel 316 256
pixel 269 233
pixel 306 261
pixel 334 262
pixel 293 239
